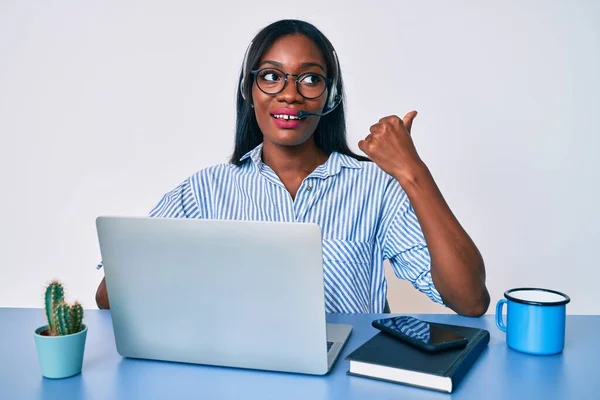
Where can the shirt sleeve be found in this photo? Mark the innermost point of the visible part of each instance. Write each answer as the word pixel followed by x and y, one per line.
pixel 177 203
pixel 403 242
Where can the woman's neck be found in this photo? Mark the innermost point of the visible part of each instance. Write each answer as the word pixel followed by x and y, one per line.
pixel 301 159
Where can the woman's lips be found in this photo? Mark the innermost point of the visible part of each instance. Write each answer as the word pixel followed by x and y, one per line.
pixel 286 119
pixel 286 123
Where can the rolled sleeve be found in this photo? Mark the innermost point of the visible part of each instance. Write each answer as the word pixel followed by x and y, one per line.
pixel 404 244
pixel 417 271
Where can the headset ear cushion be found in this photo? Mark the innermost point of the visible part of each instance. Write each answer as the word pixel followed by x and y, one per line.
pixel 242 89
pixel 332 96
pixel 245 70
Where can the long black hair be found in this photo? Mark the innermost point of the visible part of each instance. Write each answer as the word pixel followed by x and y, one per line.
pixel 330 134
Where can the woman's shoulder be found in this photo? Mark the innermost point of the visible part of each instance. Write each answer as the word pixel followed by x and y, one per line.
pixel 218 171
pixel 368 176
pixel 364 167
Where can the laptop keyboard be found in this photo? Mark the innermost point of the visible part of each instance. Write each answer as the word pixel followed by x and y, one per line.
pixel 329 344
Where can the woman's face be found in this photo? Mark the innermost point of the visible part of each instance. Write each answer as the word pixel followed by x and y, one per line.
pixel 293 54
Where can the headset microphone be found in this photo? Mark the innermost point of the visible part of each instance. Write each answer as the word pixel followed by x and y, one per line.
pixel 304 114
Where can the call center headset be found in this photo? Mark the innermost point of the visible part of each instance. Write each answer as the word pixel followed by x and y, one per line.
pixel 333 100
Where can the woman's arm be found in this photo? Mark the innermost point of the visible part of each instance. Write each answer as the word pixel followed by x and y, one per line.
pixel 102 296
pixel 457 268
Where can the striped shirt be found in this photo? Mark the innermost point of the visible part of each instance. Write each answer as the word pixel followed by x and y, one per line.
pixel 364 214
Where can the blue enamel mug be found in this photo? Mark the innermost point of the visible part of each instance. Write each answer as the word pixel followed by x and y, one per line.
pixel 535 320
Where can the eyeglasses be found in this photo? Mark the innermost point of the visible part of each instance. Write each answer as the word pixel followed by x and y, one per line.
pixel 271 81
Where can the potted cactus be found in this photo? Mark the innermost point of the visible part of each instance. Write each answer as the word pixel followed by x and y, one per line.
pixel 60 344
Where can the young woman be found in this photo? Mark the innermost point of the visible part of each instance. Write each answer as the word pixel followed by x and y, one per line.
pixel 291 163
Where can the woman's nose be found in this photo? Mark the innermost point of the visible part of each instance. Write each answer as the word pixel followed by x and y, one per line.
pixel 290 94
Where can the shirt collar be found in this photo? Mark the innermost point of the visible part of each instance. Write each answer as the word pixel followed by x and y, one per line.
pixel 255 155
pixel 332 166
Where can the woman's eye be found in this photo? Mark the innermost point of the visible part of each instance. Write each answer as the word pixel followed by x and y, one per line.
pixel 270 76
pixel 311 79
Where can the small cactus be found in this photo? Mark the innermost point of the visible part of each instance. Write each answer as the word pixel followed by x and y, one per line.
pixel 76 314
pixel 54 296
pixel 62 318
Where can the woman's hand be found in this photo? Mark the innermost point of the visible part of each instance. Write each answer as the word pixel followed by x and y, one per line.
pixel 391 147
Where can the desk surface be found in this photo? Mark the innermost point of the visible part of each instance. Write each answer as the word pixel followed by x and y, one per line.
pixel 499 373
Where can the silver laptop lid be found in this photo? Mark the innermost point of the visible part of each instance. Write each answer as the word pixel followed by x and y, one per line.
pixel 230 293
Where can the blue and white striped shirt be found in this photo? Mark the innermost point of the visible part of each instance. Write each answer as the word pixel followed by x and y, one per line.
pixel 364 214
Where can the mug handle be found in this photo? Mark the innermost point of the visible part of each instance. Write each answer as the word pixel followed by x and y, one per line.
pixel 499 322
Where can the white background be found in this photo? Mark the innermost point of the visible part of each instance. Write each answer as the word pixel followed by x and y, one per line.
pixel 106 106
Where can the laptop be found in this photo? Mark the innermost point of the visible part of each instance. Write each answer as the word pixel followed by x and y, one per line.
pixel 242 294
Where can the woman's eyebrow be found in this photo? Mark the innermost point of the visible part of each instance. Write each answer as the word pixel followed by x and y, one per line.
pixel 303 65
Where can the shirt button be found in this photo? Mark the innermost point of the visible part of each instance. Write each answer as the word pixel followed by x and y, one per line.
pixel 308 187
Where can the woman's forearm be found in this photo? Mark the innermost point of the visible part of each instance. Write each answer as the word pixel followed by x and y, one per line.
pixel 457 269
